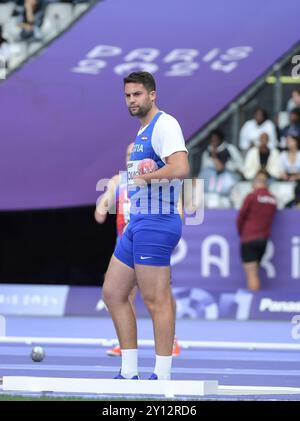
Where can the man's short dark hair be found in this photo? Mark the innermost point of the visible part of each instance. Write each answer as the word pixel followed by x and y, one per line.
pixel 263 111
pixel 145 78
pixel 262 173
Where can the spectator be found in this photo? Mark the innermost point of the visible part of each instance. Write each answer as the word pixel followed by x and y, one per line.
pixel 252 129
pixel 296 201
pixel 254 223
pixel 221 164
pixel 262 157
pixel 7 51
pixel 292 129
pixel 32 18
pixel 290 160
pixel 4 49
pixel 294 101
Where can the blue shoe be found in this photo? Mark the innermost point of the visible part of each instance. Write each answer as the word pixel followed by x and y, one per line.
pixel 153 377
pixel 120 377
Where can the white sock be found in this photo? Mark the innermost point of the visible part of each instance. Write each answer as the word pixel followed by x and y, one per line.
pixel 129 363
pixel 163 367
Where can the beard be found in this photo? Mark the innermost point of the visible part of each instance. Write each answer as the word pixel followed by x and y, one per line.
pixel 141 110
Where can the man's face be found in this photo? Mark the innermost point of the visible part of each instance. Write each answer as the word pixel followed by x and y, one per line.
pixel 138 100
pixel 259 117
pixel 294 118
pixel 259 181
pixel 296 97
pixel 291 143
pixel 215 141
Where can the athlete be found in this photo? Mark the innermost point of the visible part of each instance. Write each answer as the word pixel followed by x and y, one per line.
pixel 117 193
pixel 143 253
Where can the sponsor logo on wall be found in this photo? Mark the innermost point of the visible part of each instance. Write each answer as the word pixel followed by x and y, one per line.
pixel 32 300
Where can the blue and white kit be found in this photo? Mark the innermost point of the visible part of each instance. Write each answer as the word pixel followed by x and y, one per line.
pixel 155 224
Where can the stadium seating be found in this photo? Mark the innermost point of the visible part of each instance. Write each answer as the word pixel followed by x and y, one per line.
pixel 56 18
pixel 6 10
pixel 283 191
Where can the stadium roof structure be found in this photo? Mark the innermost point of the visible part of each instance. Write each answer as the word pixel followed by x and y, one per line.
pixel 64 123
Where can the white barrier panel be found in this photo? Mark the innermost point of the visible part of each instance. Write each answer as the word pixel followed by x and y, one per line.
pixel 2 326
pixel 249 346
pixel 2 333
pixel 167 388
pixel 258 390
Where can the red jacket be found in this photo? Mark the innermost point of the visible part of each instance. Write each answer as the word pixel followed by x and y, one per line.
pixel 255 217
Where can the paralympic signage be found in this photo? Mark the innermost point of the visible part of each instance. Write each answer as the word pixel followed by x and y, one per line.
pixel 207 278
pixel 179 62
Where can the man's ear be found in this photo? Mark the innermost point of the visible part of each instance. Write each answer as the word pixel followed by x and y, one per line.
pixel 153 95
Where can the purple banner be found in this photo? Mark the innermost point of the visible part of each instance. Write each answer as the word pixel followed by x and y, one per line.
pixel 208 279
pixel 33 300
pixel 196 303
pixel 64 124
pixel 211 254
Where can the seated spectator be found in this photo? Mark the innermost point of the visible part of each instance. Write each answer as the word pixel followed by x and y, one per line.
pixel 221 164
pixel 254 222
pixel 262 158
pixel 4 51
pixel 7 51
pixel 290 160
pixel 294 101
pixel 296 201
pixel 32 18
pixel 252 129
pixel 292 129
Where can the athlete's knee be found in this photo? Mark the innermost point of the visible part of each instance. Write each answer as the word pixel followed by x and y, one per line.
pixel 112 295
pixel 157 302
pixel 108 294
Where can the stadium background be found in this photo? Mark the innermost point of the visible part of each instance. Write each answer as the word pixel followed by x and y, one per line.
pixel 64 126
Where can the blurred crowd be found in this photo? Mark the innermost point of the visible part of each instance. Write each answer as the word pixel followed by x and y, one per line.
pixel 262 145
pixel 25 25
pixel 227 169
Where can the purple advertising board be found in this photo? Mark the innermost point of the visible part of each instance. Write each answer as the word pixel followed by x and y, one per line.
pixel 212 254
pixel 208 279
pixel 64 123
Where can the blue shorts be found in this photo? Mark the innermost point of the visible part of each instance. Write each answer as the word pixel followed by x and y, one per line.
pixel 149 240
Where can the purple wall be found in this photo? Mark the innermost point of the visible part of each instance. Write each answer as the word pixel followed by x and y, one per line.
pixel 209 282
pixel 202 289
pixel 212 258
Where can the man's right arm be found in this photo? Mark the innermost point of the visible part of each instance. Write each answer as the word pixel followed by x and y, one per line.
pixel 107 200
